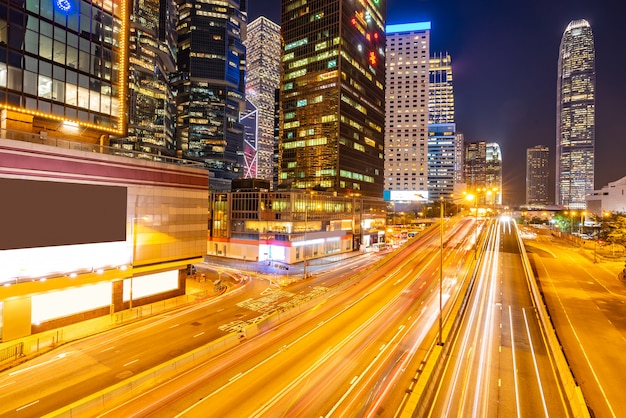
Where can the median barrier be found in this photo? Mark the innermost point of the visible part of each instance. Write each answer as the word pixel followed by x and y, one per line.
pixel 572 390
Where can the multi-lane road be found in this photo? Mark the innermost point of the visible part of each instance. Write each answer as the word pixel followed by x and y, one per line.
pixel 499 364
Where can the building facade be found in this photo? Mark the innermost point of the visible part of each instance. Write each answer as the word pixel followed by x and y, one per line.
pixel 475 166
pixel 152 58
pixel 493 172
pixel 441 161
pixel 611 198
pixel 210 84
pixel 263 49
pixel 575 116
pixel 333 96
pixel 63 69
pixel 537 173
pixel 116 232
pixel 441 128
pixel 406 109
pixel 292 226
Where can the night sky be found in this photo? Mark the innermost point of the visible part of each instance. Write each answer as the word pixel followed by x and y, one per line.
pixel 504 60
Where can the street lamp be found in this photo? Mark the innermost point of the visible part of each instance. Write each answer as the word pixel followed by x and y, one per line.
pixel 441 272
pixel 473 197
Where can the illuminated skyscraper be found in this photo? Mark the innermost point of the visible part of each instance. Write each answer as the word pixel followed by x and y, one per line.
pixel 537 170
pixel 575 116
pixel 441 128
pixel 333 95
pixel 209 85
pixel 406 128
pixel 493 172
pixel 475 165
pixel 63 68
pixel 263 47
pixel 152 58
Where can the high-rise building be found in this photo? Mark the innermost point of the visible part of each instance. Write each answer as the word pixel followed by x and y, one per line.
pixel 493 173
pixel 441 128
pixel 152 58
pixel 475 166
pixel 441 164
pixel 250 121
pixel 406 106
pixel 263 46
pixel 537 170
pixel 575 116
pixel 209 84
pixel 63 69
pixel 440 90
pixel 459 141
pixel 333 95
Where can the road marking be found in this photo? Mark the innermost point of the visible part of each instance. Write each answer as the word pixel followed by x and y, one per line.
pixel 108 349
pixel 197 335
pixel 60 356
pixel 131 362
pixel 517 406
pixel 235 377
pixel 27 405
pixel 7 384
pixel 174 326
pixel 532 351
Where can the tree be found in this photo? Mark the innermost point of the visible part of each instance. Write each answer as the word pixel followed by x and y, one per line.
pixel 617 231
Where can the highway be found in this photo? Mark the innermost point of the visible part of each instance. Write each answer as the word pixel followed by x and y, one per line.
pixel 499 364
pixel 587 304
pixel 345 356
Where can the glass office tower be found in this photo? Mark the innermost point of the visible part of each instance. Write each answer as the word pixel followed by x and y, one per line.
pixel 575 124
pixel 263 46
pixel 152 58
pixel 333 95
pixel 537 171
pixel 63 68
pixel 210 84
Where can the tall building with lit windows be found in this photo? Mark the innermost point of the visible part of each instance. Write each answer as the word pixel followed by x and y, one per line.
pixel 575 116
pixel 152 58
pixel 263 48
pixel 537 171
pixel 210 84
pixel 63 68
pixel 441 128
pixel 406 108
pixel 493 172
pixel 333 95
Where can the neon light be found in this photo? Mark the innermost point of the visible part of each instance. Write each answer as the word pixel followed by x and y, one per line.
pixel 407 27
pixel 64 5
pixel 372 58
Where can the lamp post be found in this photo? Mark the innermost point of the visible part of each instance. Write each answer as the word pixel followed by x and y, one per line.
pixel 473 197
pixel 441 272
pixel 306 226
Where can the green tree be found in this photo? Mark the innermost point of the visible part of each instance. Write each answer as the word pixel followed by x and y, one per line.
pixel 617 231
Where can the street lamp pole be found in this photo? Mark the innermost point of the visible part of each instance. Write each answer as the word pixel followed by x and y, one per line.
pixel 441 273
pixel 306 220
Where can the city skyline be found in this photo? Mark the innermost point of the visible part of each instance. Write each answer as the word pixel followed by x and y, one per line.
pixel 499 96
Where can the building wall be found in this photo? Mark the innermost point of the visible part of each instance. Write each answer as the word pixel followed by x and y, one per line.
pixel 537 173
pixel 333 96
pixel 163 225
pixel 63 68
pixel 406 107
pixel 575 118
pixel 263 48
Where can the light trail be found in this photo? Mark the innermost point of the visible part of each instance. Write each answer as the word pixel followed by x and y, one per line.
pixel 532 352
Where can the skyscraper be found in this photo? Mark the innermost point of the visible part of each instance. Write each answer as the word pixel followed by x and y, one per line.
pixel 441 128
pixel 209 85
pixel 475 165
pixel 152 58
pixel 575 116
pixel 493 172
pixel 333 95
pixel 537 170
pixel 263 45
pixel 406 128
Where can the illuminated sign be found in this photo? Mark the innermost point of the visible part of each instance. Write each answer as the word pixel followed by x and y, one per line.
pixel 64 5
pixel 406 195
